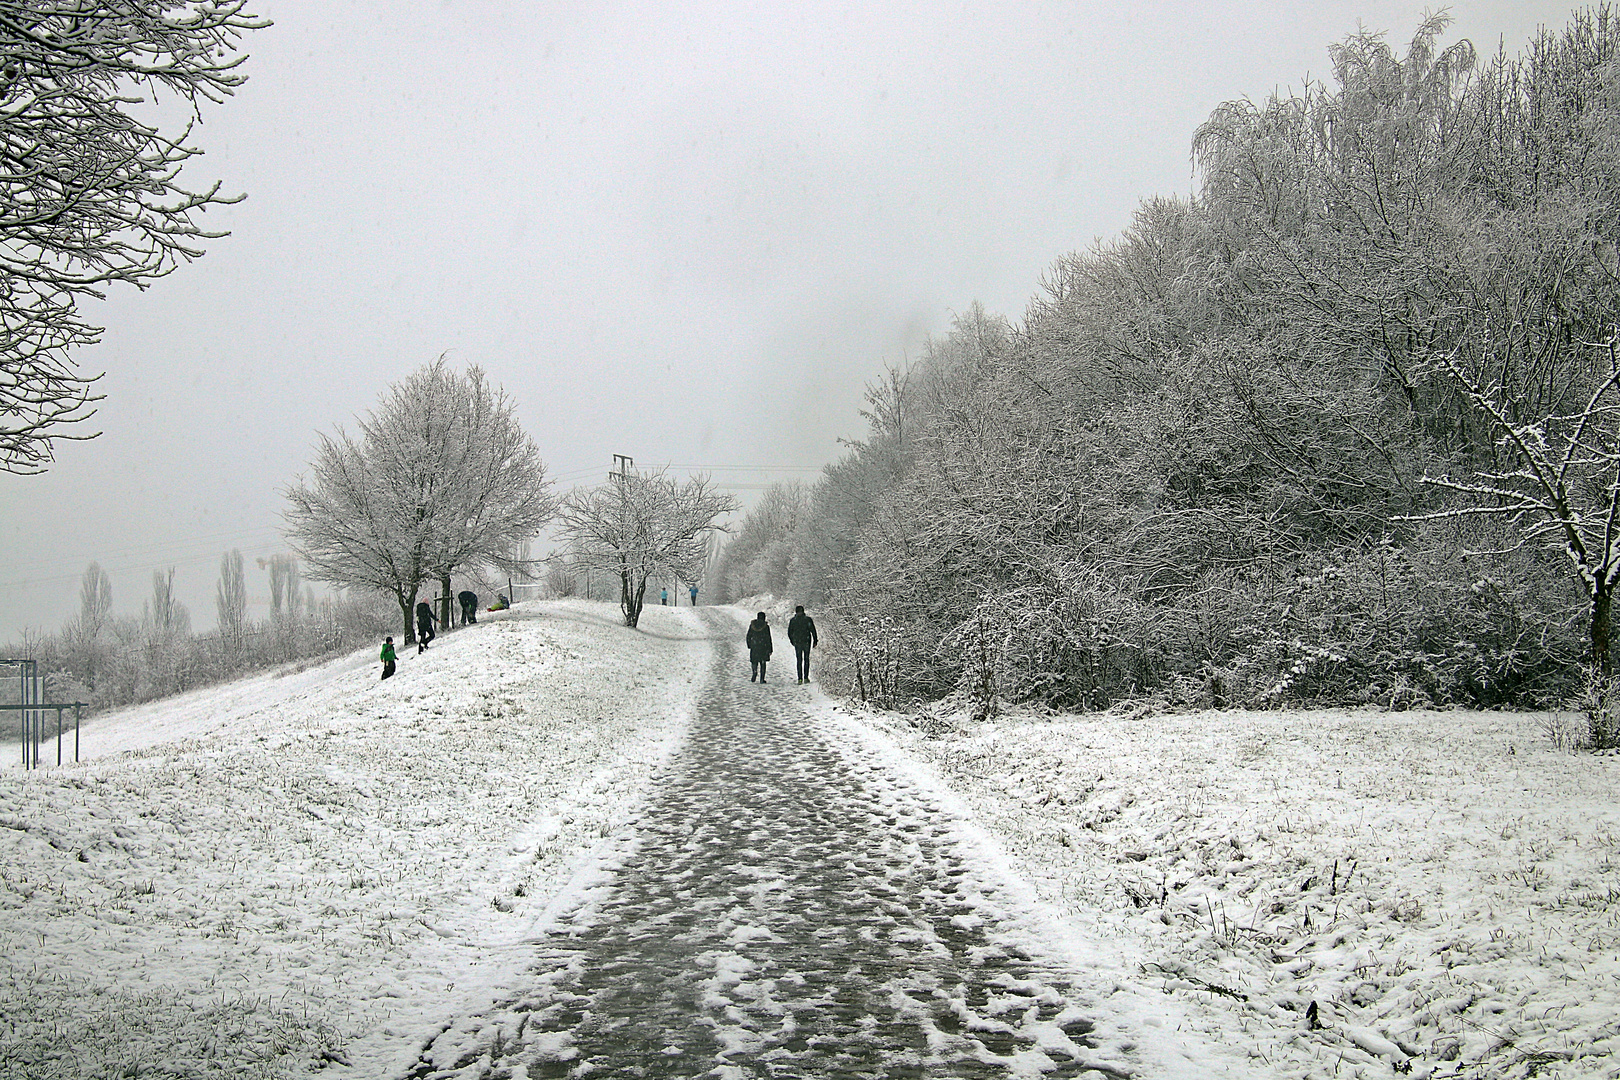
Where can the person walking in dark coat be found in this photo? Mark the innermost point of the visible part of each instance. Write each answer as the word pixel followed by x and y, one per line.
pixel 759 647
pixel 469 606
pixel 424 625
pixel 388 656
pixel 802 632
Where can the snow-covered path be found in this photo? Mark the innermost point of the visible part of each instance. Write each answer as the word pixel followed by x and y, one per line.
pixel 317 871
pixel 786 905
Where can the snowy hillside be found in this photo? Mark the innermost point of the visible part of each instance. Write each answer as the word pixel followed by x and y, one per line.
pixel 321 870
pixel 262 873
pixel 1444 887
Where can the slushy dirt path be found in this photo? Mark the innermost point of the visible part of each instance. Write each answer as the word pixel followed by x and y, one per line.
pixel 789 907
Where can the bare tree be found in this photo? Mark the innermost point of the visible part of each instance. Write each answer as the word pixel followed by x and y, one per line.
pixel 470 477
pixel 346 527
pixel 442 478
pixel 95 599
pixel 166 627
pixel 641 525
pixel 230 603
pixel 82 638
pixel 90 195
pixel 1558 480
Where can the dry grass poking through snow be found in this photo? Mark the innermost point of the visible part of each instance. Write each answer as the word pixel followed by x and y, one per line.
pixel 1444 887
pixel 318 881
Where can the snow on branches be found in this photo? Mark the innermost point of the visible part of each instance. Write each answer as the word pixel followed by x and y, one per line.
pixel 641 525
pixel 88 193
pixel 442 478
pixel 1558 478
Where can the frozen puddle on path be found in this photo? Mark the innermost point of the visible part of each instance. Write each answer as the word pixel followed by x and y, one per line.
pixel 787 910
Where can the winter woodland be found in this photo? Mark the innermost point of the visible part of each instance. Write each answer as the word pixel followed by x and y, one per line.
pixel 1344 428
pixel 1340 430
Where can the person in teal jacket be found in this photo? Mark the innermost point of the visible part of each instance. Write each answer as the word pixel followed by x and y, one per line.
pixel 388 657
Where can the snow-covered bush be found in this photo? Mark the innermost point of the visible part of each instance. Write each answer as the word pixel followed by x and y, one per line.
pixel 1328 433
pixel 1599 703
pixel 1072 644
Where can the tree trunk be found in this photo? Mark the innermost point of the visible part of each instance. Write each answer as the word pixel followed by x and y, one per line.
pixel 630 598
pixel 1602 600
pixel 407 607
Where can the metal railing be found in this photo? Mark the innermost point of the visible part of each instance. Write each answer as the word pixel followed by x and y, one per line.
pixel 30 703
pixel 33 728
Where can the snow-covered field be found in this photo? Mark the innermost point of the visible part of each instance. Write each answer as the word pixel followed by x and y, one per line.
pixel 244 879
pixel 1444 886
pixel 322 870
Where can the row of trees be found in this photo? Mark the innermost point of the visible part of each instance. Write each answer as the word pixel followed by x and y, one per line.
pixel 441 479
pixel 108 660
pixel 440 487
pixel 1341 428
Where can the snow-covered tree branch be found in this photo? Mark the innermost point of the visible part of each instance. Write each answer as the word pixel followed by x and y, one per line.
pixel 441 479
pixel 88 193
pixel 1559 481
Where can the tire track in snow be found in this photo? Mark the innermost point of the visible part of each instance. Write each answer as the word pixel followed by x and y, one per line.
pixel 787 911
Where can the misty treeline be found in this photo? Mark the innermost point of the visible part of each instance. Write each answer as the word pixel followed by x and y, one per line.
pixel 1342 427
pixel 106 660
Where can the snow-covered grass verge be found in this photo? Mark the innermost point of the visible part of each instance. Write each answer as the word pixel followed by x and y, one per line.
pixel 322 870
pixel 1442 887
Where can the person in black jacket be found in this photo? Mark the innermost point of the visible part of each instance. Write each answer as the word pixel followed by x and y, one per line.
pixel 802 633
pixel 424 625
pixel 469 606
pixel 759 647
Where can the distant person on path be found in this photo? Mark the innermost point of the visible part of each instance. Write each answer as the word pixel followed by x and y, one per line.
pixel 663 598
pixel 469 606
pixel 802 632
pixel 388 656
pixel 759 647
pixel 694 596
pixel 424 626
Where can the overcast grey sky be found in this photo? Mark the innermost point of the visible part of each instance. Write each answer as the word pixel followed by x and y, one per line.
pixel 689 233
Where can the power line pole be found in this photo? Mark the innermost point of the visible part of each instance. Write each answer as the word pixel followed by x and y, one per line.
pixel 624 462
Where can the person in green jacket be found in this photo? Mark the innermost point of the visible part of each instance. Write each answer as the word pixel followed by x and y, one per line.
pixel 388 657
